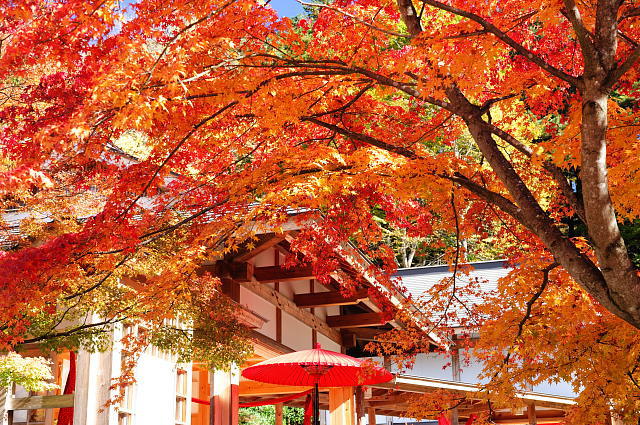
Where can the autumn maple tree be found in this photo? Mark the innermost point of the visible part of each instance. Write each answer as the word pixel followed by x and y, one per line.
pixel 140 139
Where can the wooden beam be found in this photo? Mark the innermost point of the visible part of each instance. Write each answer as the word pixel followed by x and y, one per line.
pixel 360 405
pixel 389 403
pixel 366 333
pixel 267 347
pixel 341 406
pixel 420 385
pixel 246 272
pixel 348 339
pixel 276 287
pixel 231 288
pixel 252 388
pixel 314 333
pixel 240 272
pixel 41 402
pixel 248 317
pixel 265 241
pixel 355 320
pixel 555 420
pixel 290 308
pixel 272 274
pixel 331 298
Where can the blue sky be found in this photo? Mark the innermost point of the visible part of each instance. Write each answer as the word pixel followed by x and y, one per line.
pixel 288 8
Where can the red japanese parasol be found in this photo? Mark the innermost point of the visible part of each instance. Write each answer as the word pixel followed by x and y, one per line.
pixel 317 367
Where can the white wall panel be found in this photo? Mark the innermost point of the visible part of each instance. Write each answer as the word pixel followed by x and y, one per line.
pixel 261 307
pixel 327 344
pixel 295 334
pixel 155 391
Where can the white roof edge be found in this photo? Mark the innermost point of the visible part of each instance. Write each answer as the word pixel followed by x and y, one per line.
pixel 393 294
pixel 466 387
pixel 433 266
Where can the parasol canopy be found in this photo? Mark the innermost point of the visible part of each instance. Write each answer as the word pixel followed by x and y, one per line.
pixel 317 366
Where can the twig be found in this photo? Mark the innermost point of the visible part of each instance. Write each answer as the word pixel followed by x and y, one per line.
pixel 355 18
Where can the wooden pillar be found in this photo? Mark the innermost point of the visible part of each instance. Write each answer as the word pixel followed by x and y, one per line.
pixel 314 333
pixel 93 378
pixel 613 419
pixel 224 396
pixel 279 408
pixel 372 415
pixel 359 406
pixel 276 287
pixel 531 414
pixel 455 374
pixel 342 406
pixel 200 390
pixel 6 415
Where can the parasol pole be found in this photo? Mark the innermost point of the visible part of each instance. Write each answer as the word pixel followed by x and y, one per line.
pixel 316 405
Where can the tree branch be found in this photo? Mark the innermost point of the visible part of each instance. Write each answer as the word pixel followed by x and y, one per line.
pixel 502 36
pixel 408 153
pixel 618 72
pixel 355 18
pixel 534 298
pixel 584 37
pixel 409 16
pixel 173 152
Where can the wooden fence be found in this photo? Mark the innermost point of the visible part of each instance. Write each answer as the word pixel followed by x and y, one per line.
pixel 8 404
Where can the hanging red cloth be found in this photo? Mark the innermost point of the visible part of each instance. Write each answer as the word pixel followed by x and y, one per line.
pixel 472 418
pixel 442 420
pixel 308 410
pixel 65 417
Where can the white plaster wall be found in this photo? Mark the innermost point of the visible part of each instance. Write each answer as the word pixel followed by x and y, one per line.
pixel 470 370
pixel 327 344
pixel 265 258
pixel 295 334
pixel 262 308
pixel 435 365
pixel 429 365
pixel 294 287
pixel 155 391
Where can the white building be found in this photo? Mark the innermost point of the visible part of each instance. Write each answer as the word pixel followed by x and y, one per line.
pixel 436 370
pixel 289 310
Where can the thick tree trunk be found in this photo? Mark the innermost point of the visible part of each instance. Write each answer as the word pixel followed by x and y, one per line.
pixel 615 284
pixel 622 280
pixel 409 16
pixel 623 284
pixel 535 218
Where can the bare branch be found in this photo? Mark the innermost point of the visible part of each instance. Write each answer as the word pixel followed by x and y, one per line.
pixel 534 298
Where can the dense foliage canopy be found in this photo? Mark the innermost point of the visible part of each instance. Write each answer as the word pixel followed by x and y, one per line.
pixel 146 138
